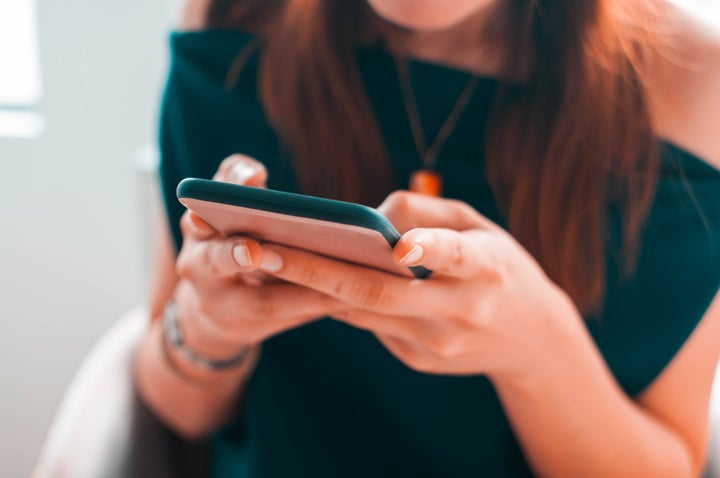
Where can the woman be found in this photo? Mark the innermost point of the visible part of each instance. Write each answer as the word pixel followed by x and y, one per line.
pixel 567 329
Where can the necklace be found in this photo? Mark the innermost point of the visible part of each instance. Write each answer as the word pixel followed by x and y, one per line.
pixel 428 180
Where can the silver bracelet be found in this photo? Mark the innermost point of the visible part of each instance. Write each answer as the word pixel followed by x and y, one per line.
pixel 174 337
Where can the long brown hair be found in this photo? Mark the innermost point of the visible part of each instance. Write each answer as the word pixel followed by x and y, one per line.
pixel 562 151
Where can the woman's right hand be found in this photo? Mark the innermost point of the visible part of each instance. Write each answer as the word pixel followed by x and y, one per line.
pixel 223 302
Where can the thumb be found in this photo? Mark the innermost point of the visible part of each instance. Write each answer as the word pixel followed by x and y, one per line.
pixel 241 169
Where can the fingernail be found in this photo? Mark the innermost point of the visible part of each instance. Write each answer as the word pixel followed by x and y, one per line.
pixel 413 255
pixel 271 262
pixel 241 254
pixel 241 172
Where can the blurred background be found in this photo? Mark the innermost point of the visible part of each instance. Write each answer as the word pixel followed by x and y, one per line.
pixel 79 87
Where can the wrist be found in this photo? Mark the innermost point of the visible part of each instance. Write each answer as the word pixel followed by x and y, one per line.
pixel 204 337
pixel 191 407
pixel 201 356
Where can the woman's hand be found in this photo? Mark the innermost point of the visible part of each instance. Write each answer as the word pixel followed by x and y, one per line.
pixel 223 302
pixel 488 308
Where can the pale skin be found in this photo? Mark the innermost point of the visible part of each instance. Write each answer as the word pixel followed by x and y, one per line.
pixel 495 332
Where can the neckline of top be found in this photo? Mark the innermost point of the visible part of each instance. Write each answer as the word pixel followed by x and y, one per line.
pixel 701 166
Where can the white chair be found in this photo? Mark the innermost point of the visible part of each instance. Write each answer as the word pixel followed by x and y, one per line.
pixel 103 430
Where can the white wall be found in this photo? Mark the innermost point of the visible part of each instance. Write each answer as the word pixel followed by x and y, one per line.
pixel 70 242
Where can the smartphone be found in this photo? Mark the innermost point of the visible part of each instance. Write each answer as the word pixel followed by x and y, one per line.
pixel 341 230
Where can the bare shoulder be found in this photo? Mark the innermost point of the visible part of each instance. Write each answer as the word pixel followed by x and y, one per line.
pixel 685 89
pixel 253 16
pixel 194 14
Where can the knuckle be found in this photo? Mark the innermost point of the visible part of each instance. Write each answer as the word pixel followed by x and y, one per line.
pixel 399 200
pixel 308 273
pixel 493 265
pixel 185 225
pixel 465 213
pixel 397 204
pixel 397 197
pixel 349 315
pixel 443 347
pixel 458 259
pixel 463 208
pixel 367 293
pixel 183 265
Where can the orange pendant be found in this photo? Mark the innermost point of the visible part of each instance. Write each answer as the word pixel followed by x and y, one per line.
pixel 425 181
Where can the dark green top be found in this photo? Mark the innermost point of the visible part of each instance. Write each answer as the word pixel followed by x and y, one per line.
pixel 328 400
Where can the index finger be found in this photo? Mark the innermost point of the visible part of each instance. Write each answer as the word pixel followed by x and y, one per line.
pixel 358 286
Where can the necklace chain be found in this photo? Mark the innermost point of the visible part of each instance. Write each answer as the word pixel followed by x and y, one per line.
pixel 429 156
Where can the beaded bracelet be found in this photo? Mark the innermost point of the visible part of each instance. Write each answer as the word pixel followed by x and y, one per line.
pixel 174 336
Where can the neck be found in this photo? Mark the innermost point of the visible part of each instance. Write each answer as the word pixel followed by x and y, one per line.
pixel 473 45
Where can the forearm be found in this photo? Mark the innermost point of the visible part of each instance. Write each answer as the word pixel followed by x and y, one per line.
pixel 193 403
pixel 573 419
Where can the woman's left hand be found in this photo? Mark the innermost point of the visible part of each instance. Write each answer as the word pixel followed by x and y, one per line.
pixel 488 307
